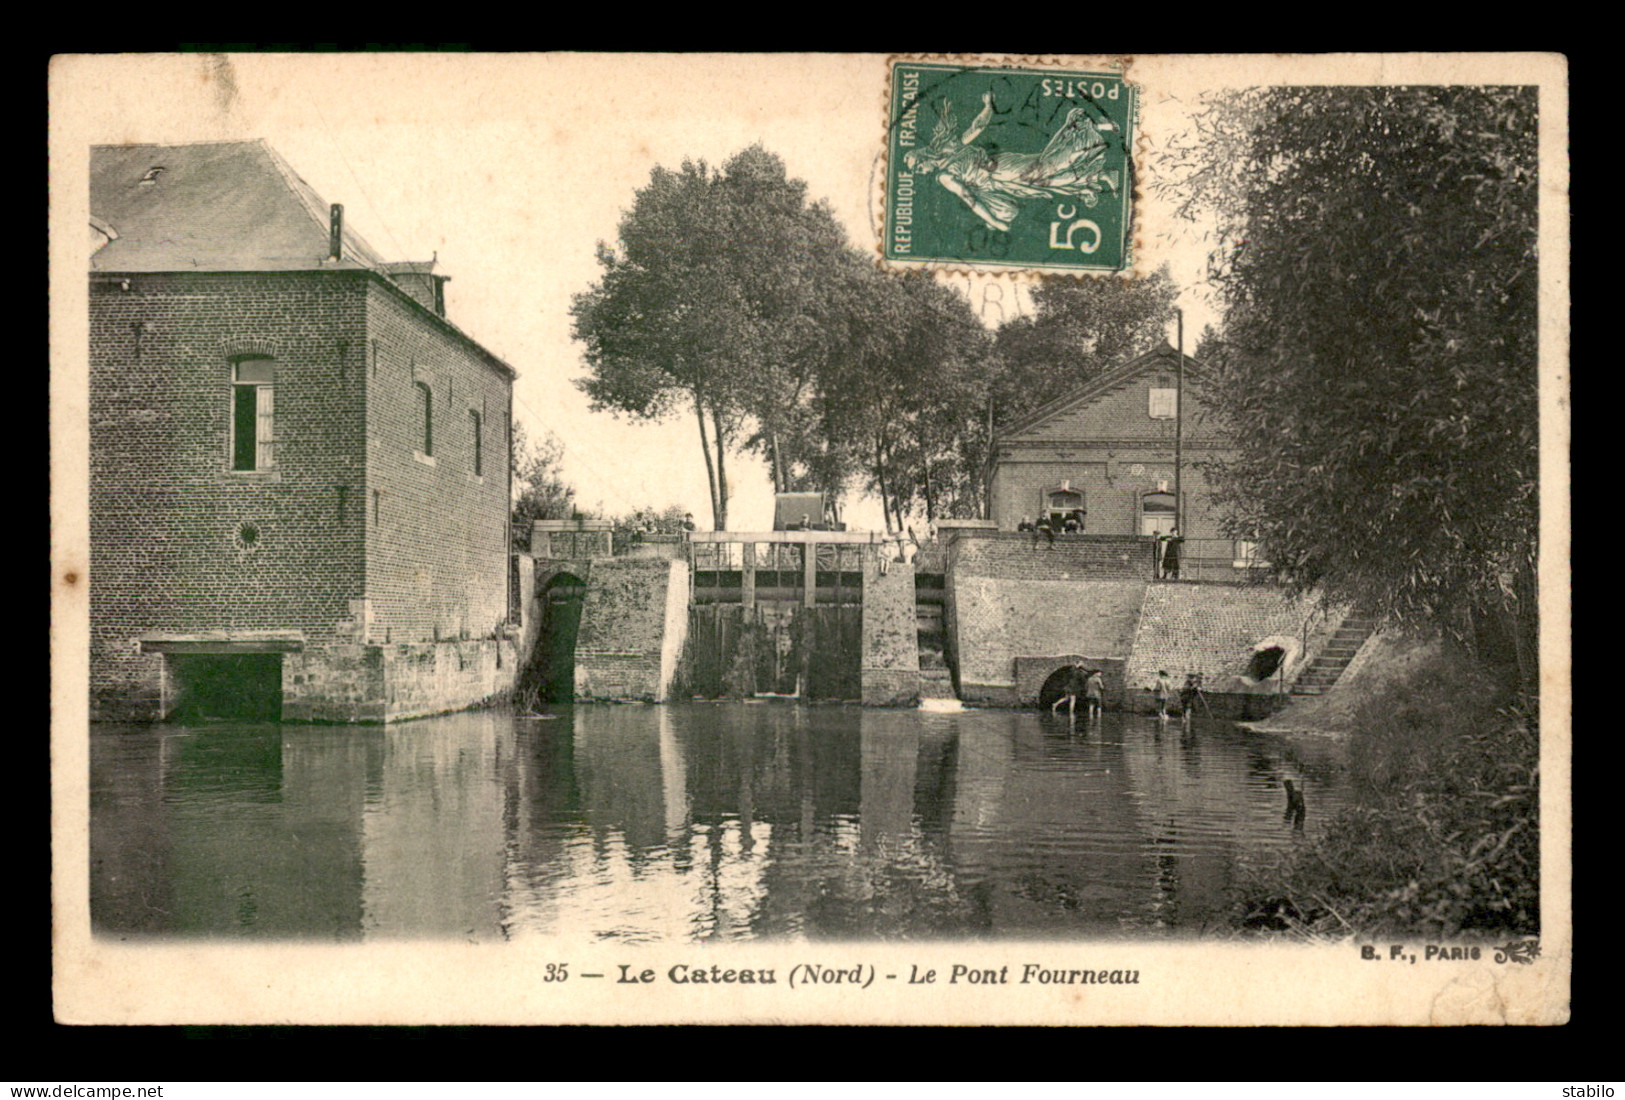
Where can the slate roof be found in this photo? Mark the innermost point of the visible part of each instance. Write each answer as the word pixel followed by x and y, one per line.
pixel 225 206
pixel 1164 357
pixel 211 206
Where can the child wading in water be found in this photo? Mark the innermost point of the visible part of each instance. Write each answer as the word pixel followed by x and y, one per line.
pixel 1189 694
pixel 1092 691
pixel 1163 691
pixel 1076 684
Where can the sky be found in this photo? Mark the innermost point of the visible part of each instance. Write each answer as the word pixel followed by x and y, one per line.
pixel 511 168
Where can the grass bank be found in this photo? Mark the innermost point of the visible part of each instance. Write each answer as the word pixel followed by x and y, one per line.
pixel 1441 837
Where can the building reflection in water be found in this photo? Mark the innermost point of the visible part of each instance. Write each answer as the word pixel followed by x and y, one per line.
pixel 433 831
pixel 682 823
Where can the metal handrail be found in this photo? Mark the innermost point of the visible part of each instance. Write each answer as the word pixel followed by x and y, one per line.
pixel 1200 559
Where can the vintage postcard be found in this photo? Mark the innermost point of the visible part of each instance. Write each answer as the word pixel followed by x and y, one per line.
pixel 939 539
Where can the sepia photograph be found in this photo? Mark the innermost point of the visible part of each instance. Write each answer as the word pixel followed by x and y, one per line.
pixel 810 538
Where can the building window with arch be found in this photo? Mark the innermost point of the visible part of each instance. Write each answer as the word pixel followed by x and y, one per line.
pixel 425 399
pixel 1159 512
pixel 253 414
pixel 1062 503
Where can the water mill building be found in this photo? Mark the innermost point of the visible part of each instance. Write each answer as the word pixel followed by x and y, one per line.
pixel 299 464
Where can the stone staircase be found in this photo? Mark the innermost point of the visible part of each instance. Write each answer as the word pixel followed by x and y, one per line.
pixel 936 682
pixel 1325 669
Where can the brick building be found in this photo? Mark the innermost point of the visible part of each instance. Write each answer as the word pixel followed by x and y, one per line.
pixel 299 465
pixel 1109 449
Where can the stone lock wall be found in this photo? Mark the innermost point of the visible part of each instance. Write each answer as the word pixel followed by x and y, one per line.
pixel 890 665
pixel 621 645
pixel 998 621
pixel 1010 555
pixel 1008 599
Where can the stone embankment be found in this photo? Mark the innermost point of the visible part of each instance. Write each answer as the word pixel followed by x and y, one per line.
pixel 1386 659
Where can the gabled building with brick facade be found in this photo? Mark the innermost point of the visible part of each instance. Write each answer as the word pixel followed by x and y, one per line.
pixel 1108 448
pixel 299 486
pixel 1022 609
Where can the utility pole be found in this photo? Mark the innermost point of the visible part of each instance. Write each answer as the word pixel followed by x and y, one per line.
pixel 988 465
pixel 1179 429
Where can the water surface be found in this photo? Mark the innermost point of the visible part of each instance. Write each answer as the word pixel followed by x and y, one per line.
pixel 690 822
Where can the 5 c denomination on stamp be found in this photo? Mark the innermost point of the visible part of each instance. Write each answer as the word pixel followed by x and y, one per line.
pixel 1008 168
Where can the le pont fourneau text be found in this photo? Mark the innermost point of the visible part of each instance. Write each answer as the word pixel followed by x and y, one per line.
pixel 864 975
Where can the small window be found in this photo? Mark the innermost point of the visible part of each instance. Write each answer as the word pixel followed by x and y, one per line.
pixel 253 409
pixel 1164 404
pixel 476 430
pixel 1061 505
pixel 426 419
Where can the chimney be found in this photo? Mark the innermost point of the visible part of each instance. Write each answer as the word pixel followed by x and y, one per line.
pixel 335 236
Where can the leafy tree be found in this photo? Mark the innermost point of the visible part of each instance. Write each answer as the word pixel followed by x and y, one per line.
pixel 903 401
pixel 1377 258
pixel 1208 345
pixel 715 299
pixel 539 488
pixel 1079 328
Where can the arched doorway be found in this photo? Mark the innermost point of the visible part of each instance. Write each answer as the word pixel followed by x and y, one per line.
pixel 552 674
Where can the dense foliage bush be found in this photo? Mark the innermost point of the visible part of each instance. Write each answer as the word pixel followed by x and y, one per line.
pixel 1443 834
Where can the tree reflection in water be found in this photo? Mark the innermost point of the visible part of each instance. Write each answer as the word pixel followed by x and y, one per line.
pixel 688 822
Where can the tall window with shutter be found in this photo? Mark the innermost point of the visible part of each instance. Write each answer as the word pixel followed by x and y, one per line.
pixel 253 414
pixel 425 419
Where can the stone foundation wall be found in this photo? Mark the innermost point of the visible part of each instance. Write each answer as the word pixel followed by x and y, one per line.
pixel 1209 629
pixel 995 621
pixel 890 665
pixel 136 694
pixel 336 683
pixel 387 683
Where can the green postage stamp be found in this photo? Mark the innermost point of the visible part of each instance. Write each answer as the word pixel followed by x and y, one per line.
pixel 1002 167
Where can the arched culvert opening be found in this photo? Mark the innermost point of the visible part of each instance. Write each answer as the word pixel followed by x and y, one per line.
pixel 1054 687
pixel 1265 662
